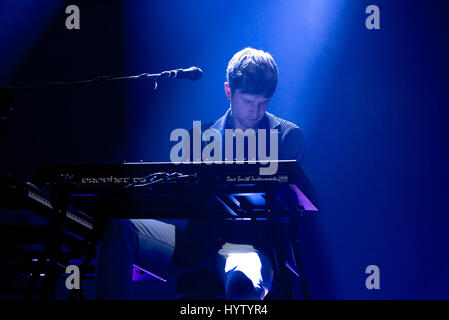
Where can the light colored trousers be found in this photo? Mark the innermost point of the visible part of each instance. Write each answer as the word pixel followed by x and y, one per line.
pixel 246 274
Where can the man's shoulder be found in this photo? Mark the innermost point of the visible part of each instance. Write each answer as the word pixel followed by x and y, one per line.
pixel 219 124
pixel 287 125
pixel 207 125
pixel 204 126
pixel 292 137
pixel 283 125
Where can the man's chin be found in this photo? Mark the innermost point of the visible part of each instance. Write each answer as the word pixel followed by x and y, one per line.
pixel 251 124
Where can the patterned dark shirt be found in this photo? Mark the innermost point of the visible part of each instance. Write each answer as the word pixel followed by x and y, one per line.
pixel 291 138
pixel 205 237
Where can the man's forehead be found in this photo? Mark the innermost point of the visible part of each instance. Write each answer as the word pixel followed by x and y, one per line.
pixel 252 97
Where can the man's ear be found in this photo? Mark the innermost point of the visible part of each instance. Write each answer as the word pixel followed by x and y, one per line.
pixel 228 91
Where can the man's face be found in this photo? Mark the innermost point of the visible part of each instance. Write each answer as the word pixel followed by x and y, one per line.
pixel 247 109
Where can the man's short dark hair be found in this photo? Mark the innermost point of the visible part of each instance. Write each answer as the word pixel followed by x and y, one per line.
pixel 252 71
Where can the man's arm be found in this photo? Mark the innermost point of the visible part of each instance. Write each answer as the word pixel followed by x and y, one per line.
pixel 293 146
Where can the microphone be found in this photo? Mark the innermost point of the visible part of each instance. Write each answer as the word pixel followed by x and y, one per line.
pixel 192 73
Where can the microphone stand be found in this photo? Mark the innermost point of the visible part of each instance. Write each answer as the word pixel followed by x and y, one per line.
pixel 7 93
pixel 52 247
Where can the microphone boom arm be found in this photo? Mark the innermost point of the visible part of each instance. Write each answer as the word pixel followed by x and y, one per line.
pixel 7 92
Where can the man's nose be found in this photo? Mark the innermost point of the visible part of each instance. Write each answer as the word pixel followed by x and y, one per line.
pixel 254 109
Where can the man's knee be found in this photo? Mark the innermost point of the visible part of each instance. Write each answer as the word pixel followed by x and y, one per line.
pixel 248 275
pixel 240 287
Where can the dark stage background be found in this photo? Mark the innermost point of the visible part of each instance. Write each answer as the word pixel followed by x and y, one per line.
pixel 372 105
